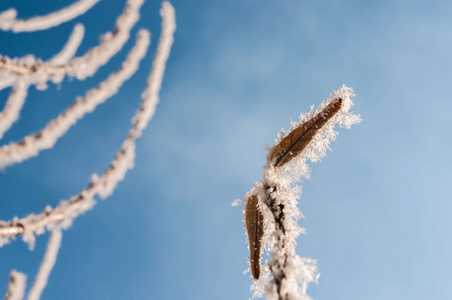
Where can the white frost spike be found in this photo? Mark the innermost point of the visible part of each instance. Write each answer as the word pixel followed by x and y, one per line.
pixel 278 196
pixel 32 144
pixel 8 19
pixel 16 286
pixel 103 185
pixel 53 246
pixel 16 99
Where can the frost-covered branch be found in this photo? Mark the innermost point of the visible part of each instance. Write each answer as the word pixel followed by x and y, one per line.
pixel 16 99
pixel 32 144
pixel 79 67
pixel 272 204
pixel 13 106
pixel 16 286
pixel 53 246
pixel 8 19
pixel 9 79
pixel 103 185
pixel 71 46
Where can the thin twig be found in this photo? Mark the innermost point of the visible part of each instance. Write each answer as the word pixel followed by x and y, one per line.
pixel 88 64
pixel 8 19
pixel 16 99
pixel 53 246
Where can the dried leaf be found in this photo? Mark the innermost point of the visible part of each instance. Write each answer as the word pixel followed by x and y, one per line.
pixel 254 221
pixel 297 140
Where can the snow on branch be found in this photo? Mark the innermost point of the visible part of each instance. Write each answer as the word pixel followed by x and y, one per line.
pixel 103 185
pixel 8 19
pixel 16 286
pixel 53 246
pixel 71 46
pixel 32 144
pixel 79 67
pixel 16 99
pixel 271 214
pixel 13 106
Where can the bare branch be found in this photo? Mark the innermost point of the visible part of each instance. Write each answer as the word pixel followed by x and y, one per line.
pixel 8 19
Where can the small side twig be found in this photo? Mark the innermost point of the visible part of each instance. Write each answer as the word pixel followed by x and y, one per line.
pixel 53 246
pixel 86 65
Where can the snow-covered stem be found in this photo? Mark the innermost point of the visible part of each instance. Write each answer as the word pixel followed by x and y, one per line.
pixel 53 246
pixel 71 46
pixel 16 286
pixel 13 106
pixel 103 185
pixel 32 144
pixel 278 195
pixel 8 19
pixel 83 66
pixel 16 99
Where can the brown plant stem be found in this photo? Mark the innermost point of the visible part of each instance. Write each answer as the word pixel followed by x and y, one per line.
pixel 276 268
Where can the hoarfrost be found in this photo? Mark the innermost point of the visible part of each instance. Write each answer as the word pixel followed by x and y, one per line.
pixel 278 195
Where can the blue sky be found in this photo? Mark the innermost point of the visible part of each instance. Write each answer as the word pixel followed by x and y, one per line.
pixel 377 207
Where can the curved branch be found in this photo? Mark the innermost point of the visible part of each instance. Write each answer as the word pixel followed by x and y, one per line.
pixel 103 185
pixel 49 260
pixel 86 65
pixel 13 106
pixel 8 19
pixel 71 46
pixel 16 99
pixel 32 144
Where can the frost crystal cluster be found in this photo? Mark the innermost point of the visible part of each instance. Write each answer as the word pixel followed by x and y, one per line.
pixel 271 211
pixel 21 73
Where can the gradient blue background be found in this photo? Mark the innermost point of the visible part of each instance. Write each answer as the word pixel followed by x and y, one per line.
pixel 377 208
